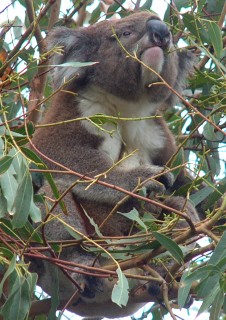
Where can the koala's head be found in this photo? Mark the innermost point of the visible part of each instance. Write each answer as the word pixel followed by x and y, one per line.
pixel 108 43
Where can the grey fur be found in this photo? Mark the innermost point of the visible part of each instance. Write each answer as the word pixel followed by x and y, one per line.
pixel 116 86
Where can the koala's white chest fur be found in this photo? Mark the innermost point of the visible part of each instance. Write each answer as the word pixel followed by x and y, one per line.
pixel 139 139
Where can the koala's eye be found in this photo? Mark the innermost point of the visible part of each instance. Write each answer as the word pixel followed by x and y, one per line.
pixel 126 33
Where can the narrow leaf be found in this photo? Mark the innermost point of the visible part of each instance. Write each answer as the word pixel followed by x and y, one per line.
pixel 9 187
pixel 220 251
pixel 207 302
pixel 7 273
pixel 215 37
pixel 35 212
pixel 170 245
pixel 120 292
pixel 5 163
pixel 18 303
pixel 201 273
pixel 74 64
pixel 184 290
pixel 134 216
pixel 207 285
pixel 40 164
pixel 22 202
pixel 217 305
pixel 201 195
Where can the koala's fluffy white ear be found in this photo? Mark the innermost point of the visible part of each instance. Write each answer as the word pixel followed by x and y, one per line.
pixel 66 45
pixel 187 61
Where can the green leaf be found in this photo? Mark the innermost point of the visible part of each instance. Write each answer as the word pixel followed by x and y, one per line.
pixel 22 202
pixel 215 37
pixel 73 232
pixel 54 293
pixel 134 216
pixel 220 251
pixel 177 161
pixel 170 245
pixel 184 290
pixel 201 273
pixel 9 186
pixel 3 206
pixel 40 164
pixel 35 212
pixel 18 303
pixel 207 285
pixel 215 311
pixel 210 133
pixel 10 269
pixel 195 26
pixel 207 302
pixel 74 64
pixel 93 223
pixel 120 292
pixel 221 189
pixel 5 163
pixel 200 195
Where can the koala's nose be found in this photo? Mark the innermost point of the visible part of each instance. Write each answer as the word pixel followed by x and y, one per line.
pixel 159 33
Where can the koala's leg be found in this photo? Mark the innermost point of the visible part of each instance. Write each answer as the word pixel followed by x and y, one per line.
pixel 182 204
pixel 54 230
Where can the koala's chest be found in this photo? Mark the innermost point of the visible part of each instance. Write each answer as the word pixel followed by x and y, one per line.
pixel 132 142
pixel 136 142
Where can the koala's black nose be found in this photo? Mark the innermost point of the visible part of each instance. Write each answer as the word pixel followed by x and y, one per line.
pixel 159 33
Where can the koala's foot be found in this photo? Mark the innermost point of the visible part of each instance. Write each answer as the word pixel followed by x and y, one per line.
pixel 182 204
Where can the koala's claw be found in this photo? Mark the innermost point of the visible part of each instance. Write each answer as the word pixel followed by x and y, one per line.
pixel 160 184
pixel 167 179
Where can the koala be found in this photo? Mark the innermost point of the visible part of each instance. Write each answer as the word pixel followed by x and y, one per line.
pixel 132 56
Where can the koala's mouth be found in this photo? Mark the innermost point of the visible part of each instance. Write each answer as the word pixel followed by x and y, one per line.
pixel 153 57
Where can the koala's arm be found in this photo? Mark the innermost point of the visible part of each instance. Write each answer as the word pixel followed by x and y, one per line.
pixel 127 179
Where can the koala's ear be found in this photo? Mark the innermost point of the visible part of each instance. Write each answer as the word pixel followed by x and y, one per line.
pixel 60 37
pixel 67 45
pixel 187 61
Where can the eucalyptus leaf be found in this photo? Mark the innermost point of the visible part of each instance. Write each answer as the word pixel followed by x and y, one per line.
pixel 9 186
pixel 170 245
pixel 207 302
pixel 184 290
pixel 22 201
pixel 134 216
pixel 201 195
pixel 5 163
pixel 18 303
pixel 217 305
pixel 201 273
pixel 215 37
pixel 10 269
pixel 74 64
pixel 220 251
pixel 120 292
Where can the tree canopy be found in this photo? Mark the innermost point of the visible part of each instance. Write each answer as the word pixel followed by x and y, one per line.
pixel 198 123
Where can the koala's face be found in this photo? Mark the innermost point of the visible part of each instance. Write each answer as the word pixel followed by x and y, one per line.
pixel 142 35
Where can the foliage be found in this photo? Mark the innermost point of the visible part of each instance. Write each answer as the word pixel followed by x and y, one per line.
pixel 198 123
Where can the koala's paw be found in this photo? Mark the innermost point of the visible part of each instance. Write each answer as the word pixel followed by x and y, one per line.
pixel 161 183
pixel 93 285
pixel 96 288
